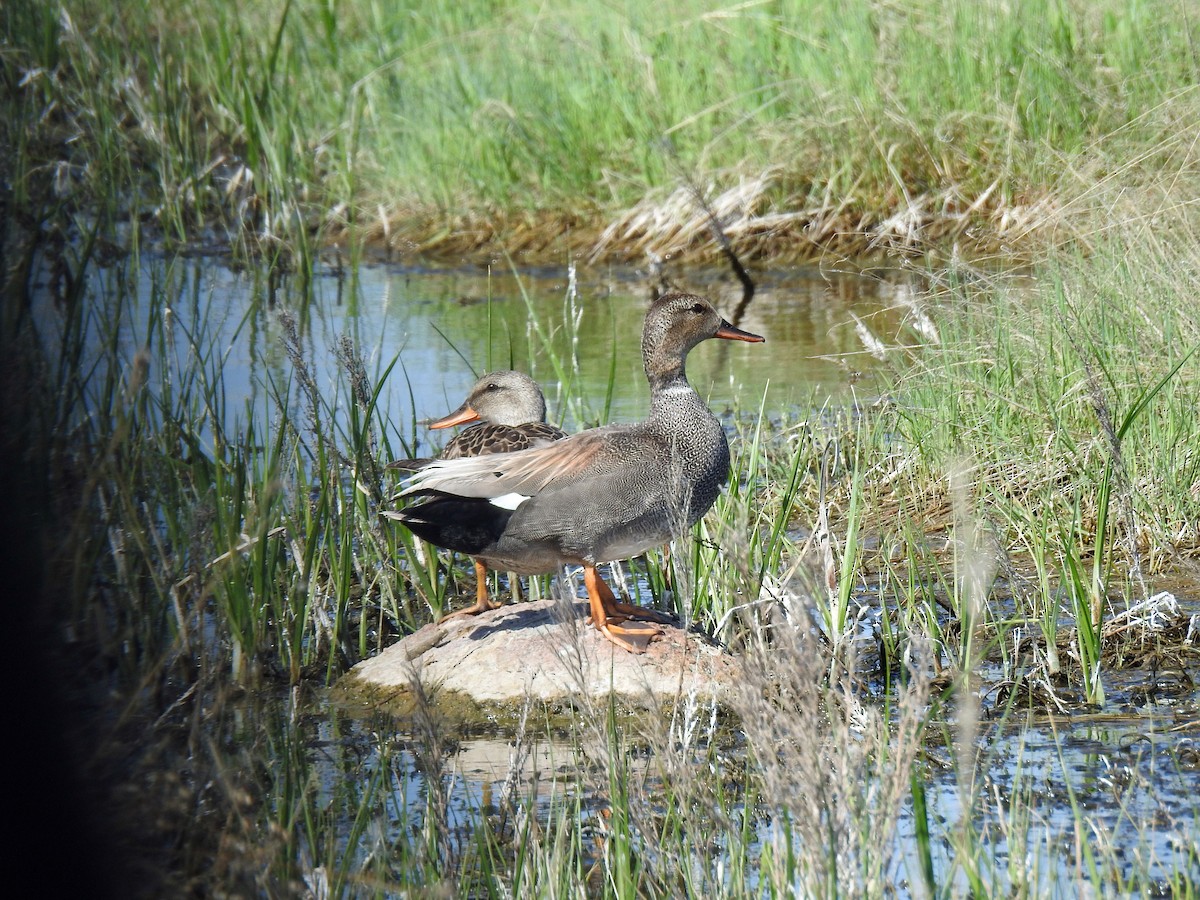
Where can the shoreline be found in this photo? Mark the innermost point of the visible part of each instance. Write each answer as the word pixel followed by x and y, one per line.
pixel 551 237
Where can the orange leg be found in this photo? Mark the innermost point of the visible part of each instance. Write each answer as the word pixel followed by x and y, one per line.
pixel 483 603
pixel 620 611
pixel 632 636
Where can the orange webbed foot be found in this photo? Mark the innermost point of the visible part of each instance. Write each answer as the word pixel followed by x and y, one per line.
pixel 483 603
pixel 473 610
pixel 620 609
pixel 632 636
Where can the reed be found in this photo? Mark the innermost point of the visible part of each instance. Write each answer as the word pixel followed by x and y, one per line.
pixel 588 127
pixel 819 798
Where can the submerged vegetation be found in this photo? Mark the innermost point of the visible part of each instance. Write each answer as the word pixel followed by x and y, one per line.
pixel 807 129
pixel 924 579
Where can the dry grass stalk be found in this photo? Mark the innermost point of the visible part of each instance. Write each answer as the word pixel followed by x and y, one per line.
pixel 830 763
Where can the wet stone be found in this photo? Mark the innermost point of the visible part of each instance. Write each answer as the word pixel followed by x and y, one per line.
pixel 489 666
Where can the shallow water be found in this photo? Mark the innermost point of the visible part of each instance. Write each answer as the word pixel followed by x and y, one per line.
pixel 831 337
pixel 1049 796
pixel 1132 776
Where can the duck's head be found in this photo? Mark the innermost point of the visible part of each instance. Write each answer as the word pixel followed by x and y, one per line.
pixel 500 398
pixel 674 325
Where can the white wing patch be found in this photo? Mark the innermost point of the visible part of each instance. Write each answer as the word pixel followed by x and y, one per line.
pixel 508 501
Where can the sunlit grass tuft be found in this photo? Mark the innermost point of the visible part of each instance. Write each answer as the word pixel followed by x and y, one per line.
pixel 809 130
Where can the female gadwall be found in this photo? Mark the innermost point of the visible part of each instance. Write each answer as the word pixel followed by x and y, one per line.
pixel 510 411
pixel 601 495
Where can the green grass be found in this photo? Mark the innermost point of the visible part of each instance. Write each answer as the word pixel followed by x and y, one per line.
pixel 195 573
pixel 870 123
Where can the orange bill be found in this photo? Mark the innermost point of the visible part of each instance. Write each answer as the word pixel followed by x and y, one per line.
pixel 463 414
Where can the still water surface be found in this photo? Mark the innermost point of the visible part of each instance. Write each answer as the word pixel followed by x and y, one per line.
pixel 1127 775
pixel 438 329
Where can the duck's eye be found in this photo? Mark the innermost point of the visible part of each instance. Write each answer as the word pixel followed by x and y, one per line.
pixel 493 386
pixel 697 307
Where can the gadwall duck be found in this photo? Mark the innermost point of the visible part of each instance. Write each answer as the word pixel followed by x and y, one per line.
pixel 510 411
pixel 600 495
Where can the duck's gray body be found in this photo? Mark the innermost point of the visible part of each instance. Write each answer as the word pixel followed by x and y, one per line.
pixel 601 495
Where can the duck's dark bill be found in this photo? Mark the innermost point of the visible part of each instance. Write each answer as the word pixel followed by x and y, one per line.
pixel 733 333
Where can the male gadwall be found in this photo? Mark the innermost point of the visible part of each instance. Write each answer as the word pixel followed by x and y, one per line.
pixel 510 411
pixel 600 495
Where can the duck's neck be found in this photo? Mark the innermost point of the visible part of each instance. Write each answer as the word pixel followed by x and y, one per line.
pixel 667 383
pixel 674 403
pixel 664 371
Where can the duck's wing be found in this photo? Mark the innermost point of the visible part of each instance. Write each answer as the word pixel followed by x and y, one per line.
pixel 525 472
pixel 490 438
pixel 542 433
pixel 484 439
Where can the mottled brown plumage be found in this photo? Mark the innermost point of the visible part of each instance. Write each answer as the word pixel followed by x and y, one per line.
pixel 597 496
pixel 511 411
pixel 487 437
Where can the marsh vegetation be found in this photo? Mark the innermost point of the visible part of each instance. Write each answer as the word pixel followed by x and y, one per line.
pixel 967 577
pixel 601 131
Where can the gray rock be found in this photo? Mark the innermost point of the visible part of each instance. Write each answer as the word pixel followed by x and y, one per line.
pixel 488 666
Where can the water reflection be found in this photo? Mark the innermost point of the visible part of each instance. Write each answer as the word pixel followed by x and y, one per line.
pixel 1124 778
pixel 439 329
pixel 449 327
